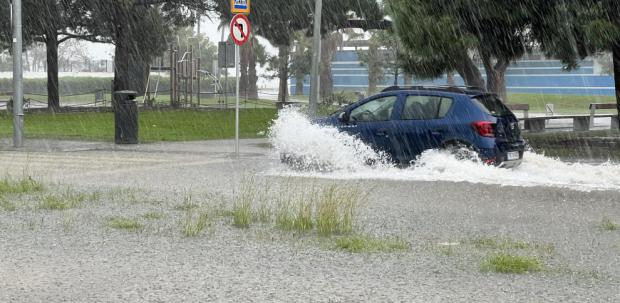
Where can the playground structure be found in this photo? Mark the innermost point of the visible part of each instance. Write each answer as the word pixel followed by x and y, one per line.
pixel 186 80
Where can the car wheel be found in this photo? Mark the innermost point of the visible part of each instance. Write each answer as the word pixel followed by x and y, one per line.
pixel 462 151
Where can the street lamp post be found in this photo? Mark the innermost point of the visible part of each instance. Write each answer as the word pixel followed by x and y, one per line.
pixel 18 93
pixel 316 60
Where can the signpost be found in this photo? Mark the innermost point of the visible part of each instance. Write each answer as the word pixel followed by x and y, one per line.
pixel 240 33
pixel 240 6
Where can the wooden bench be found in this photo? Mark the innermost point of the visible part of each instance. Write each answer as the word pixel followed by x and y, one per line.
pixel 5 102
pixel 523 107
pixel 580 122
pixel 595 106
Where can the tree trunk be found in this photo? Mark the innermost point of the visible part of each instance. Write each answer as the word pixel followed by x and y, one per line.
pixel 451 81
pixel 244 63
pixel 616 55
pixel 53 95
pixel 252 75
pixel 496 75
pixel 299 84
pixel 408 79
pixel 470 73
pixel 283 54
pixel 329 46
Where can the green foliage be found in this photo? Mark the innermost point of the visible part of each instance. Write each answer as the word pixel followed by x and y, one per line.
pixel 66 200
pixel 358 244
pixel 194 223
pixel 124 223
pixel 608 224
pixel 504 263
pixel 24 185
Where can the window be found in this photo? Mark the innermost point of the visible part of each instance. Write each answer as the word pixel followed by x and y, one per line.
pixel 491 105
pixel 375 110
pixel 426 107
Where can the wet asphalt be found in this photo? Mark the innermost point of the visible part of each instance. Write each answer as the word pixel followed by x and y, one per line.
pixel 71 255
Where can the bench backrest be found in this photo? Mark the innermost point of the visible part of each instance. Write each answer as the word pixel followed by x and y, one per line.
pixel 518 106
pixel 603 106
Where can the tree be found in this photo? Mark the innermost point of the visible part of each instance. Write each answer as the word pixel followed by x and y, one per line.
pixel 574 29
pixel 383 56
pixel 301 61
pixel 442 35
pixel 277 23
pixel 51 22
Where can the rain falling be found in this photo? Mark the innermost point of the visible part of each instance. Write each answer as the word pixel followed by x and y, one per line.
pixel 309 151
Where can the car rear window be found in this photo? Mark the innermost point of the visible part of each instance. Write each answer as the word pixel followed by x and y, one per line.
pixel 491 105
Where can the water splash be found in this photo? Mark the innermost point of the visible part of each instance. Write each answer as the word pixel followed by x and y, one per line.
pixel 346 157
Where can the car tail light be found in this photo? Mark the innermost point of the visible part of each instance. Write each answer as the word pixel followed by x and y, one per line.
pixel 485 128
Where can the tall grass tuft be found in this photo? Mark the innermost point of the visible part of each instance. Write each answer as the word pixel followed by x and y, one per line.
pixel 194 224
pixel 337 210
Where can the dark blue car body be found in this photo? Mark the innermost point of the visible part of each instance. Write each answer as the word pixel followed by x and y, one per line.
pixel 404 122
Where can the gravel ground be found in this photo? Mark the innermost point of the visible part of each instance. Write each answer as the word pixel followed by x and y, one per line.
pixel 73 255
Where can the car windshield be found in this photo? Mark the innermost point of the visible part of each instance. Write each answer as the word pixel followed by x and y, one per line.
pixel 491 105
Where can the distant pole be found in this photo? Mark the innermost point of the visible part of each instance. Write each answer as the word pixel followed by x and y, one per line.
pixel 316 60
pixel 18 93
pixel 237 103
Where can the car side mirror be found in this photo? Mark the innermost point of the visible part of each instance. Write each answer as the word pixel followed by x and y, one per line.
pixel 343 117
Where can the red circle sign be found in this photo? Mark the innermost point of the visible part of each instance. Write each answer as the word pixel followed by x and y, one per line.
pixel 240 29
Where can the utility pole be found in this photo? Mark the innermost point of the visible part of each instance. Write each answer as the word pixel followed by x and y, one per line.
pixel 316 60
pixel 18 93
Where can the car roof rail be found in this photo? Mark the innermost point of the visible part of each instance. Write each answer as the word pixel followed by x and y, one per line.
pixel 444 88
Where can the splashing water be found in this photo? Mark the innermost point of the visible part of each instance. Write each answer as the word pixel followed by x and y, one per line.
pixel 346 158
pixel 320 147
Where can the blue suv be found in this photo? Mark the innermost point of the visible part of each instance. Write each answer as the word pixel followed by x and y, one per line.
pixel 406 121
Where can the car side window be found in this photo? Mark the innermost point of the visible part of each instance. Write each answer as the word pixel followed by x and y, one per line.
pixel 375 110
pixel 426 107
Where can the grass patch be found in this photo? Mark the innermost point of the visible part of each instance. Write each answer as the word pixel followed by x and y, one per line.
pixel 66 200
pixel 336 210
pixel 24 185
pixel 194 224
pixel 563 103
pixel 124 223
pixel 153 216
pixel 170 125
pixel 242 214
pixel 504 263
pixel 358 244
pixel 608 225
pixel 7 205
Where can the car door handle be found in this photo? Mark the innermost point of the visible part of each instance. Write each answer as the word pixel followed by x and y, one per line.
pixel 382 132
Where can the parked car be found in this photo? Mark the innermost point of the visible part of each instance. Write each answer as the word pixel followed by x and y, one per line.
pixel 403 122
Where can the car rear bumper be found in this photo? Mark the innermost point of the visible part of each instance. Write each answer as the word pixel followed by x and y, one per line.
pixel 498 156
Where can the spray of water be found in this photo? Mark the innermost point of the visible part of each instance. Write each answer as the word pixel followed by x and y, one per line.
pixel 340 156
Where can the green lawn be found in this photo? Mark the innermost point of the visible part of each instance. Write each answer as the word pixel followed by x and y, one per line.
pixel 178 125
pixel 565 104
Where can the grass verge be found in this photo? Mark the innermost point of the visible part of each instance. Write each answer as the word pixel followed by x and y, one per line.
pixel 510 264
pixel 124 223
pixel 24 185
pixel 66 200
pixel 173 125
pixel 359 243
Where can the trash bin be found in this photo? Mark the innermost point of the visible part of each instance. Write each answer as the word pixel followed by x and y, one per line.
pixel 125 117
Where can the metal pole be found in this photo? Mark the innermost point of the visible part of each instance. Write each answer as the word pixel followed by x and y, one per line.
pixel 316 60
pixel 237 103
pixel 18 93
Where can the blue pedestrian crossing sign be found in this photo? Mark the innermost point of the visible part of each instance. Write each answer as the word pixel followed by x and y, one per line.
pixel 240 6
